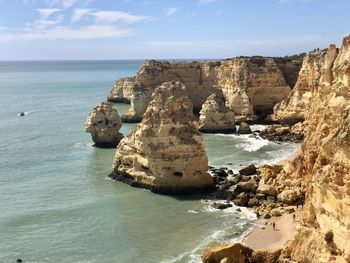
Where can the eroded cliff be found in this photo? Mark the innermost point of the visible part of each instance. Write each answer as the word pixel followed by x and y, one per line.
pixel 251 85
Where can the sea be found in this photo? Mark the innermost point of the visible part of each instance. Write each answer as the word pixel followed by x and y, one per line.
pixel 57 203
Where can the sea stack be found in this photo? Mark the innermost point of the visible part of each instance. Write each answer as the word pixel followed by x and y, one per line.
pixel 215 117
pixel 165 154
pixel 104 124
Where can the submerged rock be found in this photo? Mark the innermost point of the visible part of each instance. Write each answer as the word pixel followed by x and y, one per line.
pixel 166 152
pixel 215 117
pixel 104 124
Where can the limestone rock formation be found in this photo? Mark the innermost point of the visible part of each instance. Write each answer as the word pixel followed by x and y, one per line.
pixel 215 117
pixel 294 108
pixel 251 85
pixel 165 153
pixel 104 124
pixel 324 235
pixel 122 90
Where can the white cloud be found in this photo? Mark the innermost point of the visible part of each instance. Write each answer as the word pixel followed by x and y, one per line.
pixel 68 33
pixel 44 23
pixel 46 12
pixel 204 2
pixel 171 11
pixel 79 14
pixel 64 3
pixel 116 16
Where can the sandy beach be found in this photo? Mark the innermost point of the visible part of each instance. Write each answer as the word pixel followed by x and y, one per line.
pixel 264 236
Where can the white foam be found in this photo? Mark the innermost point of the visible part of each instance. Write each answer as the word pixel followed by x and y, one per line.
pixel 251 143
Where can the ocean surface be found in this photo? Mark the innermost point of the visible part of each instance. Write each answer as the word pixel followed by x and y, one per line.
pixel 56 202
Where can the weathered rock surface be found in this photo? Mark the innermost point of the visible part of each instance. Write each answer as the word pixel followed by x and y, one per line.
pixel 250 85
pixel 165 153
pixel 326 165
pixel 279 133
pixel 244 128
pixel 236 253
pixel 104 123
pixel 122 90
pixel 294 108
pixel 215 117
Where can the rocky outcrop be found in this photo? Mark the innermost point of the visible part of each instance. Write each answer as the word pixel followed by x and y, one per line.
pixel 122 90
pixel 215 117
pixel 104 123
pixel 244 128
pixel 324 235
pixel 165 153
pixel 294 108
pixel 236 253
pixel 250 85
pixel 320 175
pixel 285 133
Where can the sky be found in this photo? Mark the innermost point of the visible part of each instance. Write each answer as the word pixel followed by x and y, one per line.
pixel 167 29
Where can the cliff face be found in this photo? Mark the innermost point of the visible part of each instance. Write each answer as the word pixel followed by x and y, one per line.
pixel 104 123
pixel 214 116
pixel 122 90
pixel 250 85
pixel 165 153
pixel 294 108
pixel 324 235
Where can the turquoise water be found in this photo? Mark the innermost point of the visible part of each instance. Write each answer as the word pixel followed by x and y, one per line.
pixel 57 204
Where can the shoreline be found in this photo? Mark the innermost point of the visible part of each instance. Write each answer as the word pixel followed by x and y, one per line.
pixel 262 235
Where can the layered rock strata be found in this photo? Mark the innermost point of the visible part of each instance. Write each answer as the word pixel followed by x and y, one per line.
pixel 251 85
pixel 295 107
pixel 104 123
pixel 324 235
pixel 321 174
pixel 215 117
pixel 165 153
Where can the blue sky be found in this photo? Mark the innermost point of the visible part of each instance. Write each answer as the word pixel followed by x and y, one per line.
pixel 122 29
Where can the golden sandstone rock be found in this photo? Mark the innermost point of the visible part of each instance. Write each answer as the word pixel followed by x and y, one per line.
pixel 165 153
pixel 104 124
pixel 250 85
pixel 215 117
pixel 322 171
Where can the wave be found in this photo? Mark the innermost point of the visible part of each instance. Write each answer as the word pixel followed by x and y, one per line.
pixel 232 231
pixel 80 145
pixel 251 143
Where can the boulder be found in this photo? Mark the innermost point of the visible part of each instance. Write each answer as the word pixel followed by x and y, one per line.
pixel 241 200
pixel 230 252
pixel 249 170
pixel 221 206
pixel 244 128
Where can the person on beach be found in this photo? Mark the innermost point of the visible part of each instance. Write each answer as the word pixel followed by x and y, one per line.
pixel 293 217
pixel 274 226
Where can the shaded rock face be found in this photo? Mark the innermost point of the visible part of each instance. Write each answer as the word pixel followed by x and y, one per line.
pixel 326 157
pixel 165 153
pixel 294 108
pixel 215 117
pixel 104 123
pixel 251 85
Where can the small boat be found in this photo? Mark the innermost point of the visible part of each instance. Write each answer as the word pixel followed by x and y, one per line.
pixel 21 114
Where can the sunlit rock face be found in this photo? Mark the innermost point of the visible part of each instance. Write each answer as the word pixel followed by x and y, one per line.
pixel 104 123
pixel 251 85
pixel 122 90
pixel 324 235
pixel 215 117
pixel 294 108
pixel 165 153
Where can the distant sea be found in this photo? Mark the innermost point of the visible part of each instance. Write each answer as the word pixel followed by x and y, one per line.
pixel 57 204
